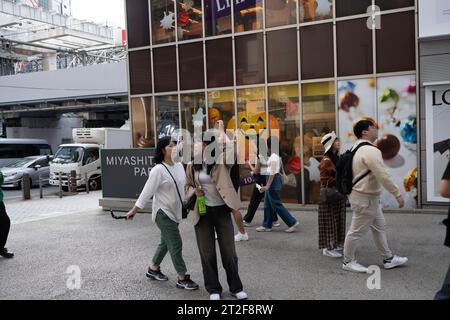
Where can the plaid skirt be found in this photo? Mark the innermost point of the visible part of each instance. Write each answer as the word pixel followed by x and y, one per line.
pixel 332 225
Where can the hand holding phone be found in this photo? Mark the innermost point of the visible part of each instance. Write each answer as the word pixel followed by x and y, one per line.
pixel 258 186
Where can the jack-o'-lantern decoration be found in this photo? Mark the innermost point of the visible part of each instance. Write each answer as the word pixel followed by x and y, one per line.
pixel 250 125
pixel 213 116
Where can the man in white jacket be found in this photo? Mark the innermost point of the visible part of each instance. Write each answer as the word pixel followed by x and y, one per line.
pixel 365 200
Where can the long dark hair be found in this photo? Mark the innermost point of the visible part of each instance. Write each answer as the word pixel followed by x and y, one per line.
pixel 209 167
pixel 162 144
pixel 332 154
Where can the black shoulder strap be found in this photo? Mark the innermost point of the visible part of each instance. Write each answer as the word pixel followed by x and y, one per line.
pixel 176 186
pixel 366 173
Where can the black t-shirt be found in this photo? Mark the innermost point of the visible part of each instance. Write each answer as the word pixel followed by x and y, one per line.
pixel 446 176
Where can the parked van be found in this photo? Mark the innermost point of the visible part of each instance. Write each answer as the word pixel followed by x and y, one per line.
pixel 12 150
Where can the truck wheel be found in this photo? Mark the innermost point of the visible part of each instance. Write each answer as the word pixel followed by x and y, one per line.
pixel 65 189
pixel 94 184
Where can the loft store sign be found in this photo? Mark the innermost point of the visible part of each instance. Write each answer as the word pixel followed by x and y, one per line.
pixel 441 97
pixel 222 8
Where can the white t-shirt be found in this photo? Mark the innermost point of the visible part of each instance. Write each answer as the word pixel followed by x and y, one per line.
pixel 212 196
pixel 273 159
pixel 161 187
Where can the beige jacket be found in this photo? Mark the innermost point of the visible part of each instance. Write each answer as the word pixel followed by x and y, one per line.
pixel 220 175
pixel 369 158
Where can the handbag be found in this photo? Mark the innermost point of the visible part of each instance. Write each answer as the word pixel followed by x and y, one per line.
pixel 330 195
pixel 184 210
pixel 284 177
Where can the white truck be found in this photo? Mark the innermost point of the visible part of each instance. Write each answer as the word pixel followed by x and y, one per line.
pixel 83 156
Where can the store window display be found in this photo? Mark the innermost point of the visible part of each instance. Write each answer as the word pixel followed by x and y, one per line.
pixel 280 13
pixel 319 118
pixel 167 115
pixel 163 21
pixel 217 18
pixel 189 20
pixel 248 15
pixel 314 10
pixel 142 122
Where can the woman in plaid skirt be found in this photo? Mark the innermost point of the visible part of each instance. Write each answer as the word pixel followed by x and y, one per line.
pixel 332 204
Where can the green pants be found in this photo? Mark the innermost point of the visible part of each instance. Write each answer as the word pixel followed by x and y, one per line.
pixel 170 241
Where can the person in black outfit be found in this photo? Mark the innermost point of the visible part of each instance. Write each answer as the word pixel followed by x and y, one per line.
pixel 5 224
pixel 444 293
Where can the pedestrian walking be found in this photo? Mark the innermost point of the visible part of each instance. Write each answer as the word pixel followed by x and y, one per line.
pixel 165 184
pixel 444 293
pixel 212 183
pixel 332 203
pixel 257 197
pixel 272 190
pixel 369 175
pixel 5 224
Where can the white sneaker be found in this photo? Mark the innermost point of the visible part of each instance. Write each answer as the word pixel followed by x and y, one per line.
pixel 292 229
pixel 276 224
pixel 263 229
pixel 214 296
pixel 240 295
pixel 395 261
pixel 247 224
pixel 215 235
pixel 354 267
pixel 241 237
pixel 331 253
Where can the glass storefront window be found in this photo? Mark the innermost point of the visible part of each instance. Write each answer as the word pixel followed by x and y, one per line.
pixel 217 17
pixel 355 48
pixel 284 114
pixel 396 43
pixel 250 59
pixel 138 24
pixel 219 63
pixel 163 21
pixel 317 55
pixel 140 72
pixel 280 13
pixel 189 22
pixel 282 55
pixel 192 74
pixel 352 7
pixel 167 115
pixel 143 122
pixel 193 111
pixel 394 4
pixel 313 10
pixel 248 15
pixel 221 107
pixel 319 118
pixel 251 118
pixel 165 69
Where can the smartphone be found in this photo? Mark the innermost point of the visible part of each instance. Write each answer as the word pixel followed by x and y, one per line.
pixel 258 186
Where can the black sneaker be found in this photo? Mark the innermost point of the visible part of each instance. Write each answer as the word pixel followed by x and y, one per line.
pixel 187 283
pixel 156 275
pixel 5 253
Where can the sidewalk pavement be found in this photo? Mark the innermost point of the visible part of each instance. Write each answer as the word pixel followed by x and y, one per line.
pixel 50 235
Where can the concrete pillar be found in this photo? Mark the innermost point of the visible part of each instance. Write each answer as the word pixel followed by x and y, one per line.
pixel 49 62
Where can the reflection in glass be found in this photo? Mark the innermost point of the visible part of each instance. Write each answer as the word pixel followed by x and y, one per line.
pixel 313 10
pixel 352 7
pixel 165 69
pixel 191 66
pixel 140 72
pixel 220 107
pixel 189 19
pixel 282 57
pixel 143 122
pixel 193 111
pixel 251 119
pixel 217 17
pixel 167 115
pixel 138 30
pixel 163 21
pixel 280 13
pixel 248 15
pixel 319 118
pixel 284 115
pixel 250 59
pixel 219 63
pixel 317 55
pixel 394 4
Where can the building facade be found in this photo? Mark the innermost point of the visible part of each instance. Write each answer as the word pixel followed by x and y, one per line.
pixel 304 67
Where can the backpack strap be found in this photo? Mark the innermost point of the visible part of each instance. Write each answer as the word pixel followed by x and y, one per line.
pixel 366 173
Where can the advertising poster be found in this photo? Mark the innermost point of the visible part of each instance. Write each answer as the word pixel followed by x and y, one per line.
pixel 437 104
pixel 397 136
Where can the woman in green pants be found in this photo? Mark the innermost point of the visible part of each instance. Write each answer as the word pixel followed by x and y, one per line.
pixel 162 184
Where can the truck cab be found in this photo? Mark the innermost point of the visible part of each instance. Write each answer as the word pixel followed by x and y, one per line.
pixel 83 156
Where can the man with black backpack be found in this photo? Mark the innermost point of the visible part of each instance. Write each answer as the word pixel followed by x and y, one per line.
pixel 368 175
